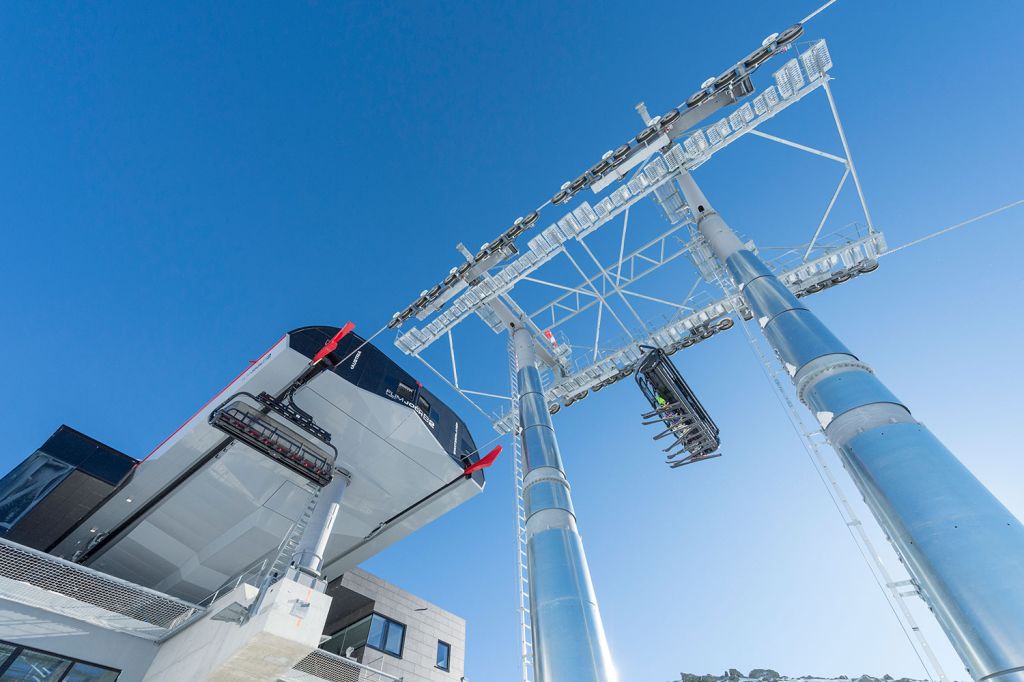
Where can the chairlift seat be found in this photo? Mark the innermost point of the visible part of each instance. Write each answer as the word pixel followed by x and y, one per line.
pixel 257 422
pixel 677 407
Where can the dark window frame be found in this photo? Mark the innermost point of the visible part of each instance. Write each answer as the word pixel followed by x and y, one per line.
pixel 347 628
pixel 403 387
pixel 19 649
pixel 384 636
pixel 448 658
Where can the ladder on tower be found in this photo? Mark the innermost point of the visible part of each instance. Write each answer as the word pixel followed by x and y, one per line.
pixel 525 632
pixel 286 550
pixel 814 441
pixel 275 567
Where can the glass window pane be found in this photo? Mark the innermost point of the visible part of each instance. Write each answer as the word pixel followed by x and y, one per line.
pixel 83 672
pixel 33 666
pixel 444 655
pixel 396 631
pixel 377 627
pixel 5 652
pixel 405 392
pixel 353 636
pixel 28 483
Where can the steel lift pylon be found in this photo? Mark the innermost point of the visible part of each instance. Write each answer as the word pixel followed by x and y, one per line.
pixel 911 483
pixel 566 631
pixel 962 547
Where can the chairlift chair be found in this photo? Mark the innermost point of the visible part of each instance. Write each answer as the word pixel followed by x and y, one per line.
pixel 295 441
pixel 675 406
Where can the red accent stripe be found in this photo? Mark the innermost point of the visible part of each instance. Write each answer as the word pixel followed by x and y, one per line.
pixel 252 363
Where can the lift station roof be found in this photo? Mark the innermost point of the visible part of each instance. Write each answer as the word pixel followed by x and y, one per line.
pixel 204 507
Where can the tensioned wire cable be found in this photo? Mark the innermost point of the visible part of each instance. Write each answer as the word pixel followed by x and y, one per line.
pixel 944 230
pixel 817 11
pixel 359 347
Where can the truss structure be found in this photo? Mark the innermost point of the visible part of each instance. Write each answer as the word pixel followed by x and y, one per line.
pixel 612 290
pixel 594 310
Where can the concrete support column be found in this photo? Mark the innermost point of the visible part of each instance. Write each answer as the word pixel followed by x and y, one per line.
pixel 569 643
pixel 961 546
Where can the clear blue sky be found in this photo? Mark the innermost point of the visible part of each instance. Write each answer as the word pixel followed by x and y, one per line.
pixel 183 182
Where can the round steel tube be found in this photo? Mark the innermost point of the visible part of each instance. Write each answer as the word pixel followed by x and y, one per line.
pixel 309 554
pixel 961 546
pixel 569 643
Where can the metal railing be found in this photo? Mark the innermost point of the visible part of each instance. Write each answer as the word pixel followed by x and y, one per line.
pixel 31 577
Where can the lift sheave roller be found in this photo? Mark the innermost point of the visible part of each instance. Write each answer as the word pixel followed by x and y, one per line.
pixel 677 408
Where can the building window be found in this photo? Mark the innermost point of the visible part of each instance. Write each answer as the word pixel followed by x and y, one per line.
pixel 352 638
pixel 22 664
pixel 386 635
pixel 444 655
pixel 406 393
pixel 27 484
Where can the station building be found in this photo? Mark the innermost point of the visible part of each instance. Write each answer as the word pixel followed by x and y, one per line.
pixel 231 551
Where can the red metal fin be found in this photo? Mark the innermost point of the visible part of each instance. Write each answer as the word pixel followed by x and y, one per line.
pixel 484 462
pixel 331 345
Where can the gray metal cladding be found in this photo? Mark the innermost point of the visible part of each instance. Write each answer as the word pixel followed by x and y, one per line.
pixel 529 381
pixel 799 337
pixel 541 448
pixel 568 635
pixel 539 444
pixel 796 333
pixel 961 544
pixel 768 297
pixel 548 493
pixel 569 644
pixel 744 267
pixel 533 410
pixel 838 393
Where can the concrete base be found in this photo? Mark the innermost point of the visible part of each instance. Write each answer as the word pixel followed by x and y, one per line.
pixel 286 628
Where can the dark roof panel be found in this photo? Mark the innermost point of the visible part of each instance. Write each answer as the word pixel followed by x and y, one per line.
pixel 88 455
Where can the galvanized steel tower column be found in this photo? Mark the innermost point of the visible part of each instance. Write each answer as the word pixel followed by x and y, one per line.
pixel 569 643
pixel 964 549
pixel 309 553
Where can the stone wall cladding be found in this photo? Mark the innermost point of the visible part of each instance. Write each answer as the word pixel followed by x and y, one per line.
pixel 423 629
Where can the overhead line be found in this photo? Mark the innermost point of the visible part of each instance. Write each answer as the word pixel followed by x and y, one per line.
pixel 954 227
pixel 815 12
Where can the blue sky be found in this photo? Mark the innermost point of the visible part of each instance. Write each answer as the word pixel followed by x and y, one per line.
pixel 184 182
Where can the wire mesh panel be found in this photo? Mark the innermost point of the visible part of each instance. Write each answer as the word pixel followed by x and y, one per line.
pixel 323 665
pixel 38 579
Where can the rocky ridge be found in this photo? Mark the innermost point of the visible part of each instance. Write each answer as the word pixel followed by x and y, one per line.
pixel 769 675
